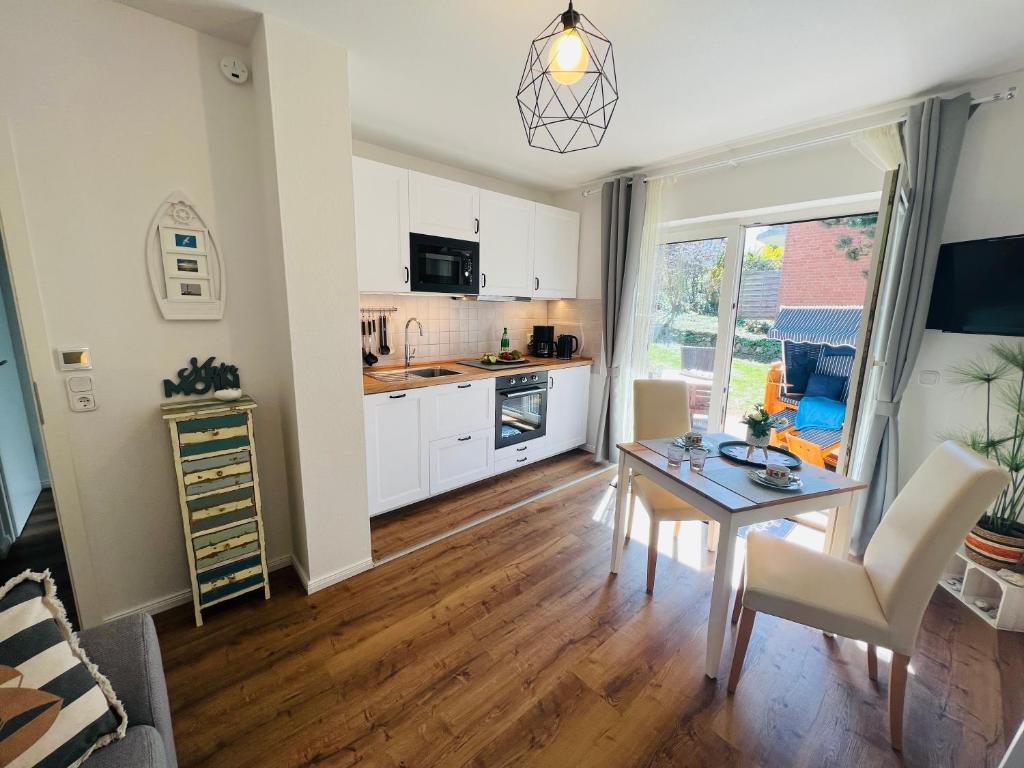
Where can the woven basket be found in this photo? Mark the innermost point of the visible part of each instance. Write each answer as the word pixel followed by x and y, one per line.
pixel 996 550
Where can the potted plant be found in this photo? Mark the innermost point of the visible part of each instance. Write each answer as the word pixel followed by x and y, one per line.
pixel 759 428
pixel 997 541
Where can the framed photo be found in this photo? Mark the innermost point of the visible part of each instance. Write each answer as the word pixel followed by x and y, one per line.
pixel 186 265
pixel 179 240
pixel 188 289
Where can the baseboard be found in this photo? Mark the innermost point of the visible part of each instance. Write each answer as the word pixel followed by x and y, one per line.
pixel 185 596
pixel 315 585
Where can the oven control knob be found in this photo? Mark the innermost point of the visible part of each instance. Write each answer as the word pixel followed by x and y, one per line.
pixel 535 377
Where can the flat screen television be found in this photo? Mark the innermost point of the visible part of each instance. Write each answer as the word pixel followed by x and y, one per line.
pixel 979 287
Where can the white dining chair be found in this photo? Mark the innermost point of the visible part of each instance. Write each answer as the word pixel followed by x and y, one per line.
pixel 661 409
pixel 883 600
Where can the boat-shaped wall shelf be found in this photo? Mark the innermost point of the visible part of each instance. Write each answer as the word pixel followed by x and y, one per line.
pixel 186 271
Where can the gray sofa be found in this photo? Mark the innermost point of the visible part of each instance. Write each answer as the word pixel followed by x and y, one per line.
pixel 127 652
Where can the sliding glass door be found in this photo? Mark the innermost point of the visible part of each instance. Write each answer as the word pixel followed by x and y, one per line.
pixel 685 343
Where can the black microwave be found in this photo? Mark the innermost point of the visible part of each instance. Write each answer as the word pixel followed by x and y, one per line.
pixel 443 265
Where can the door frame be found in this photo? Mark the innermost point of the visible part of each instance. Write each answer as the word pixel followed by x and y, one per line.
pixel 733 226
pixel 51 402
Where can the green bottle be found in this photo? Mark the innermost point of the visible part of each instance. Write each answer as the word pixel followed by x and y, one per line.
pixel 504 341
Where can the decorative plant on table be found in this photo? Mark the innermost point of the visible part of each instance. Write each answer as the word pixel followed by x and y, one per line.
pixel 998 539
pixel 760 424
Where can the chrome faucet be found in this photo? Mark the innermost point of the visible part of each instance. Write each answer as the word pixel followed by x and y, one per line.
pixel 410 354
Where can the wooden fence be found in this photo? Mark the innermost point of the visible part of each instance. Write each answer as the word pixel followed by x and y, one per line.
pixel 759 295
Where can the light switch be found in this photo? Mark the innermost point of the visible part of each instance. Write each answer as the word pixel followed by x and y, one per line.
pixel 80 383
pixel 80 394
pixel 928 378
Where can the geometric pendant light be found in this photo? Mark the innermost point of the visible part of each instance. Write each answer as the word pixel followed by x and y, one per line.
pixel 568 90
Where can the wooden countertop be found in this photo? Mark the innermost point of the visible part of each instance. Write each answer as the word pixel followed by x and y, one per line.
pixel 372 386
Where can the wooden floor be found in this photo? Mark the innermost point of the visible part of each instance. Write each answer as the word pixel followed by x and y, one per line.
pixel 40 547
pixel 397 531
pixel 509 644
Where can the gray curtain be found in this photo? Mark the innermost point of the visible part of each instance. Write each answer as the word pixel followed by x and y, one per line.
pixel 622 223
pixel 933 135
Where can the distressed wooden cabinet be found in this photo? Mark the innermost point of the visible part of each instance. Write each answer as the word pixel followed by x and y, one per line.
pixel 219 495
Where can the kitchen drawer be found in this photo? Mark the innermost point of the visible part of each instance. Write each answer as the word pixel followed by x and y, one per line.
pixel 456 461
pixel 457 409
pixel 515 456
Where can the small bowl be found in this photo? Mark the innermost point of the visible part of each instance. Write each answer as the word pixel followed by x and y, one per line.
pixel 227 395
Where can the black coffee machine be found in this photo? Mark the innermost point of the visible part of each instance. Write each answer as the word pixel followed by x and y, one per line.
pixel 566 346
pixel 544 340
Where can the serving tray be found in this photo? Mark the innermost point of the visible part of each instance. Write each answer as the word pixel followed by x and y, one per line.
pixel 736 450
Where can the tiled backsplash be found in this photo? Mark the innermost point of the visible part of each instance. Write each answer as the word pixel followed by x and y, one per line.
pixel 454 329
pixel 465 329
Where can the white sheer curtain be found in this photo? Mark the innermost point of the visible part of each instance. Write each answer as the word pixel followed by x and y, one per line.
pixel 637 365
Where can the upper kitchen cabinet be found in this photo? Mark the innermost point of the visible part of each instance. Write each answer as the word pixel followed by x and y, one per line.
pixel 443 208
pixel 506 245
pixel 555 252
pixel 382 225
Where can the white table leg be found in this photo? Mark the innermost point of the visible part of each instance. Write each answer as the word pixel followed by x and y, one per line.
pixel 619 530
pixel 718 617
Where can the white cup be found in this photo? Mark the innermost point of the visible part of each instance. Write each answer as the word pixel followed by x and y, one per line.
pixel 777 474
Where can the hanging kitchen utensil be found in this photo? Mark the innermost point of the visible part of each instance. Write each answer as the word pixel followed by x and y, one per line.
pixel 371 359
pixel 384 348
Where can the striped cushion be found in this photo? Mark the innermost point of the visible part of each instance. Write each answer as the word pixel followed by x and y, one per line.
pixel 55 706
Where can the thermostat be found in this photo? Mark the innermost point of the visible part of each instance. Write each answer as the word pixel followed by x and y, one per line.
pixel 234 70
pixel 76 359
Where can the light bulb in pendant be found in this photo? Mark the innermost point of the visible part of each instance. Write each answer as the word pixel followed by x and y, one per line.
pixel 568 57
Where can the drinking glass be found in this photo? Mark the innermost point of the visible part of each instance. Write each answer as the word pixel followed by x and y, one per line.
pixel 676 454
pixel 698 456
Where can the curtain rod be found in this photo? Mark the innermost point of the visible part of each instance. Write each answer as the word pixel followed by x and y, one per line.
pixel 1008 95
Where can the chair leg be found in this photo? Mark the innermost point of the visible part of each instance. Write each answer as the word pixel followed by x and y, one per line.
pixel 737 606
pixel 872 662
pixel 676 529
pixel 713 530
pixel 897 693
pixel 632 511
pixel 740 652
pixel 652 554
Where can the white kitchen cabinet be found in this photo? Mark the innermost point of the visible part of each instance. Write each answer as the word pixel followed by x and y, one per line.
pixel 457 409
pixel 506 245
pixel 461 459
pixel 382 225
pixel 555 252
pixel 443 208
pixel 568 404
pixel 397 457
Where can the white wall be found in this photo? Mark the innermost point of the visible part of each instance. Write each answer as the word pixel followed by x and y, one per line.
pixel 306 78
pixel 111 109
pixel 987 201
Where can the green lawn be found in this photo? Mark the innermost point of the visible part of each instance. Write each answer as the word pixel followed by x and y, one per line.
pixel 746 385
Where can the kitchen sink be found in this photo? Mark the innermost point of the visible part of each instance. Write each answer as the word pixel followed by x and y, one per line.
pixel 413 373
pixel 430 373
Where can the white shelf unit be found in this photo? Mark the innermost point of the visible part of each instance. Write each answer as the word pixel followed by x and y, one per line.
pixel 979 581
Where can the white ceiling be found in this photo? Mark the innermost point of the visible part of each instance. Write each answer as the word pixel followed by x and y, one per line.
pixel 438 78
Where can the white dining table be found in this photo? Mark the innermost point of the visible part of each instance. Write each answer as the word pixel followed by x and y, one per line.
pixel 725 493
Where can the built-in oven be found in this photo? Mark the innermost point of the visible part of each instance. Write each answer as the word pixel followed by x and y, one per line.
pixel 520 408
pixel 443 265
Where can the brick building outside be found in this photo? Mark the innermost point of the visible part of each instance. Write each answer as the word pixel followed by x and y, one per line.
pixel 817 272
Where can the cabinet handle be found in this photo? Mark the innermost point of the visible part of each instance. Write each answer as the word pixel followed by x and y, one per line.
pixel 395 397
pixel 464 439
pixel 536 283
pixel 407 275
pixel 483 279
pixel 464 386
pixel 551 382
pixel 520 461
pixel 476 226
pixel 520 450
